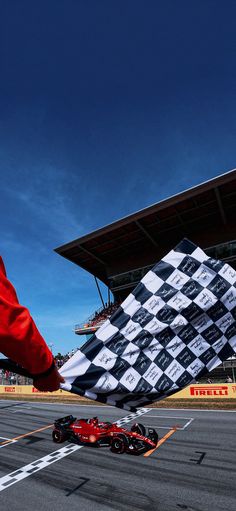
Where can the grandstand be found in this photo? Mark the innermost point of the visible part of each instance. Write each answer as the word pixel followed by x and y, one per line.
pixel 120 253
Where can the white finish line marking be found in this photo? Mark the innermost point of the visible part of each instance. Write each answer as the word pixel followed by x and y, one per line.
pixel 132 416
pixel 21 409
pixel 9 441
pixel 189 419
pixel 35 466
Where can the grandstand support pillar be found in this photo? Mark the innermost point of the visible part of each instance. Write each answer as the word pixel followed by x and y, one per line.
pixel 109 296
pixel 99 290
pixel 233 373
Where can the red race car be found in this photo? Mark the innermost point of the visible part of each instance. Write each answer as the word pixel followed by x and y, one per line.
pixel 101 434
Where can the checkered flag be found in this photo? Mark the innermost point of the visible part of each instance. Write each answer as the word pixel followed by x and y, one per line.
pixel 177 324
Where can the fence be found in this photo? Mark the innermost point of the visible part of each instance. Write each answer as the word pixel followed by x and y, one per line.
pixel 14 379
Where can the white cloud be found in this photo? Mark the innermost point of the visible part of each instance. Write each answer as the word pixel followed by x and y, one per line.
pixel 47 199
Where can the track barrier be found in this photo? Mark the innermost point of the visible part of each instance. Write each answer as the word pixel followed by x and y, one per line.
pixel 196 391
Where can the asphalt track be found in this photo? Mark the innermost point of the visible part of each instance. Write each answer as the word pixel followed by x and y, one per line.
pixel 193 469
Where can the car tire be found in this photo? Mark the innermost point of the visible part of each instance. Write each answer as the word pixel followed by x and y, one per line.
pixel 59 436
pixel 119 444
pixel 139 428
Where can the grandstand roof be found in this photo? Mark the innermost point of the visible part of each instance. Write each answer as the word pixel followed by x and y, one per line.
pixel 205 214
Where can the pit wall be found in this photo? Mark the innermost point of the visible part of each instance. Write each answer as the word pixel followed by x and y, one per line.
pixel 196 391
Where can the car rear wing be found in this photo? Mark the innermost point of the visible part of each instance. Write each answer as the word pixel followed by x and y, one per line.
pixel 65 421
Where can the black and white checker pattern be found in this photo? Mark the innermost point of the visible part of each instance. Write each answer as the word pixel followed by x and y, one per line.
pixel 27 470
pixel 132 416
pixel 177 324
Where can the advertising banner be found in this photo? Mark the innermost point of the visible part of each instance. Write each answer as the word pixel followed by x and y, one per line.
pixel 196 391
pixel 27 389
pixel 207 391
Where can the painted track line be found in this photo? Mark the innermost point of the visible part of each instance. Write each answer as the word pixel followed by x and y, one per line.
pixel 35 466
pixel 7 441
pixel 131 416
pixel 187 424
pixel 161 441
pixel 26 434
pixel 189 419
pixel 120 422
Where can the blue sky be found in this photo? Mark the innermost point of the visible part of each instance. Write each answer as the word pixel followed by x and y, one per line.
pixel 106 107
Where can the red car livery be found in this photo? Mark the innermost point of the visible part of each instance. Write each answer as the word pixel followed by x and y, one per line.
pixel 101 434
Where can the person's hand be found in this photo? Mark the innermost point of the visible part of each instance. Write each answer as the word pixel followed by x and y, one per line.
pixel 49 383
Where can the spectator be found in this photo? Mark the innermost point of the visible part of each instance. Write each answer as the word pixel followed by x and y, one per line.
pixel 12 379
pixel 21 341
pixel 228 379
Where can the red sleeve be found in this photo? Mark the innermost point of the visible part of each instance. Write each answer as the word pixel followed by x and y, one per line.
pixel 20 339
